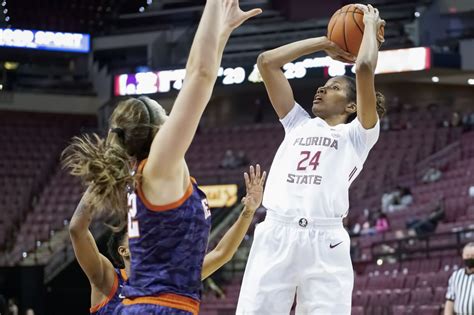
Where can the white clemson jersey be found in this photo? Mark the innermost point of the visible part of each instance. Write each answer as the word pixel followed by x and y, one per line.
pixel 315 165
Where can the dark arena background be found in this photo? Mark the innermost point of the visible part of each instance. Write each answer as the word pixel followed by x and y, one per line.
pixel 65 65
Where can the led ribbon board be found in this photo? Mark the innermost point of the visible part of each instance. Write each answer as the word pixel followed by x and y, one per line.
pixel 45 40
pixel 389 61
pixel 220 196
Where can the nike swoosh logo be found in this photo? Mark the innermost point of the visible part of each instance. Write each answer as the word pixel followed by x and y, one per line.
pixel 332 246
pixel 121 296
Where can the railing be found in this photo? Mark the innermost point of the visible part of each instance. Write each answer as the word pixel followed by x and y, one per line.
pixel 428 245
pixel 64 254
pixel 402 249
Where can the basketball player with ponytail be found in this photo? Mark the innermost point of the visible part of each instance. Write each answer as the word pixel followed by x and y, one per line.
pixel 167 215
pixel 107 277
pixel 302 248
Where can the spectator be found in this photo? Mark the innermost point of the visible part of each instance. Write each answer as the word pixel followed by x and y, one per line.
pixel 422 227
pixel 242 159
pixel 432 175
pixel 468 121
pixel 12 307
pixel 230 160
pixel 385 123
pixel 356 229
pixel 390 198
pixel 367 229
pixel 405 199
pixel 460 297
pixel 456 120
pixel 382 225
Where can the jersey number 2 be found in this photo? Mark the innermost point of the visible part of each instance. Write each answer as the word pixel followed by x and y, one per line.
pixel 133 230
pixel 313 161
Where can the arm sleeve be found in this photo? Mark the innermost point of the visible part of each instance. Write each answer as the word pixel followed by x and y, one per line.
pixel 294 118
pixel 450 293
pixel 363 139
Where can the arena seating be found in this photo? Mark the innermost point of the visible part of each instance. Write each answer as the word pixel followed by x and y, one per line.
pixel 38 197
pixel 31 144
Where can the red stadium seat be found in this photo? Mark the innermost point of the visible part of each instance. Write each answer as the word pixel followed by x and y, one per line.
pixel 440 294
pixel 357 310
pixel 421 296
pixel 403 310
pixel 428 310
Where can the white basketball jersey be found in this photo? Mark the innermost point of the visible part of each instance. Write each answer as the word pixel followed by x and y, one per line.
pixel 315 165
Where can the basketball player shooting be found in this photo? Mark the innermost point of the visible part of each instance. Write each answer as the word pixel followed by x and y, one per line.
pixel 302 248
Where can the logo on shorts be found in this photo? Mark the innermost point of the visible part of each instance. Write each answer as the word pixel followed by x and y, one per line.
pixel 303 222
pixel 332 246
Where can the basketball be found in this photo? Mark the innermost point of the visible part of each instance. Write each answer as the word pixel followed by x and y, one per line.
pixel 346 28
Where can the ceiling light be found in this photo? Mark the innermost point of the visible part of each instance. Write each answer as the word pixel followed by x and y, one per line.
pixel 142 9
pixel 435 79
pixel 149 2
pixel 5 11
pixel 417 14
pixel 7 18
pixel 8 65
pixel 470 81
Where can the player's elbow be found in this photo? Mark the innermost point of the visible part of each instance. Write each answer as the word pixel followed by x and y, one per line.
pixel 224 256
pixel 203 74
pixel 368 119
pixel 228 257
pixel 200 70
pixel 75 229
pixel 365 65
pixel 264 61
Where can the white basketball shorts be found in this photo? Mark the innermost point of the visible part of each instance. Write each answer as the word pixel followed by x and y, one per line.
pixel 306 257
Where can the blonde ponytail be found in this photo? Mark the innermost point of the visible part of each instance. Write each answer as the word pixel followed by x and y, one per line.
pixel 106 165
pixel 106 168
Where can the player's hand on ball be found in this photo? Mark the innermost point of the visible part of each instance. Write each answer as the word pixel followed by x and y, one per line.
pixel 233 16
pixel 337 53
pixel 254 186
pixel 372 16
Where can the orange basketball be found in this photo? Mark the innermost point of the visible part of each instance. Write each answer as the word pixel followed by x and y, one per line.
pixel 346 28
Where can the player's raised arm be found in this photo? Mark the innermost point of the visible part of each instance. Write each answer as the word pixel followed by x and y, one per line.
pixel 99 269
pixel 219 19
pixel 270 65
pixel 365 67
pixel 229 244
